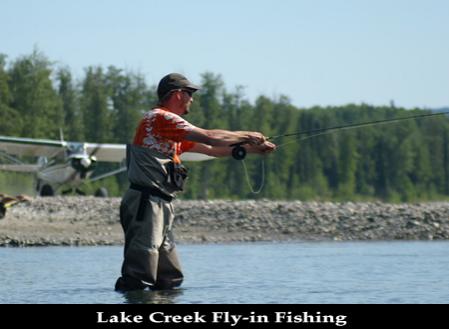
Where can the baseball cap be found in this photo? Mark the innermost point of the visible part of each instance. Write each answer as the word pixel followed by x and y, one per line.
pixel 174 81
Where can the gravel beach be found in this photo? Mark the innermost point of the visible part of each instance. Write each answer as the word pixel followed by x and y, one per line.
pixel 95 221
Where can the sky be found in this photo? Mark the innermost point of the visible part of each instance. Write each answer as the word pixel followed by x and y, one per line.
pixel 321 52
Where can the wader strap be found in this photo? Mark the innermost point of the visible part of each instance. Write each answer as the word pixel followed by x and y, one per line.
pixel 142 205
pixel 145 194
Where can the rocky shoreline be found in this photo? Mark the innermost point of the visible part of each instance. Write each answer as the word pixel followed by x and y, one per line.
pixel 75 221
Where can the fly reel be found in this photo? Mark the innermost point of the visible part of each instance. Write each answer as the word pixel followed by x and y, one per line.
pixel 238 151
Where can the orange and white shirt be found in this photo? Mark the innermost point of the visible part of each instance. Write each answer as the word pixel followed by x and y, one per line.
pixel 164 132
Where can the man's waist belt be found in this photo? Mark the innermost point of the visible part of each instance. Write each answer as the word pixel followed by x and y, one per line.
pixel 146 192
pixel 151 191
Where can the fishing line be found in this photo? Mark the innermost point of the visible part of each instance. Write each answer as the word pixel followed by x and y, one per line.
pixel 239 152
pixel 262 184
pixel 329 130
pixel 294 140
pixel 245 169
pixel 318 131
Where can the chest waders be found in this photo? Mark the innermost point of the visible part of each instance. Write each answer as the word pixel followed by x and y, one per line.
pixel 150 256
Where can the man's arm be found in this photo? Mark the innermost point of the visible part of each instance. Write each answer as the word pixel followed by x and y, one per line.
pixel 220 138
pixel 222 151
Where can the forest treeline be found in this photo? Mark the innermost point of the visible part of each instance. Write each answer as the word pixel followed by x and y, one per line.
pixel 403 161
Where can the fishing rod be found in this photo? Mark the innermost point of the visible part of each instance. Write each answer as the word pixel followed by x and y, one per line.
pixel 239 152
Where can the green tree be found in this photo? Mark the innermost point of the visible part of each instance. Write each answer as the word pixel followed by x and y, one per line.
pixel 10 120
pixel 96 107
pixel 128 94
pixel 212 89
pixel 347 164
pixel 33 96
pixel 73 129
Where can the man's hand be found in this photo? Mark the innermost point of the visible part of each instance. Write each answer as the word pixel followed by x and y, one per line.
pixel 264 148
pixel 254 137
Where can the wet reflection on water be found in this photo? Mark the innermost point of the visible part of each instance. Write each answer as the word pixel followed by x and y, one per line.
pixel 152 296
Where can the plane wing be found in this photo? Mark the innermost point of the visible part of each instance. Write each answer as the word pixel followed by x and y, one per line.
pixel 107 152
pixel 20 146
pixel 117 153
pixel 191 156
pixel 114 151
pixel 30 146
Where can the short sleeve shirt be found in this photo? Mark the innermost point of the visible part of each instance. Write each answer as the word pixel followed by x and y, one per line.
pixel 164 132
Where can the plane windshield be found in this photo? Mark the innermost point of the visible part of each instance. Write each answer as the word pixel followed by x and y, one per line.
pixel 75 148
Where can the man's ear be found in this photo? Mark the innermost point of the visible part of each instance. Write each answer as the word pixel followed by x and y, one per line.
pixel 178 95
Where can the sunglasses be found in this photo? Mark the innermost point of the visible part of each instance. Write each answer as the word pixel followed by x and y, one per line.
pixel 188 92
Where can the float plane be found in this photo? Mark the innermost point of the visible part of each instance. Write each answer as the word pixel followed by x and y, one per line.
pixel 59 163
pixel 62 163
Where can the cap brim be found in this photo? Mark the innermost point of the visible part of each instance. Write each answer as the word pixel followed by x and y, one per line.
pixel 192 87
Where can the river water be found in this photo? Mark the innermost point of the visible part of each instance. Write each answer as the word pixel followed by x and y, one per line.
pixel 262 273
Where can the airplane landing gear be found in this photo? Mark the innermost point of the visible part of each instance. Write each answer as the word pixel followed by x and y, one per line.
pixel 102 192
pixel 47 190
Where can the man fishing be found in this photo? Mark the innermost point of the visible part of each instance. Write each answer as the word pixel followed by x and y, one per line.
pixel 156 175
